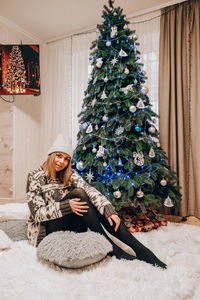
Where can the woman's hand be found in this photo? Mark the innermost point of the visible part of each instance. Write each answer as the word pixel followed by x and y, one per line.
pixel 116 219
pixel 78 207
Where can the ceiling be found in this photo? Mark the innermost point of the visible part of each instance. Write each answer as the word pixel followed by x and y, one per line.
pixel 50 19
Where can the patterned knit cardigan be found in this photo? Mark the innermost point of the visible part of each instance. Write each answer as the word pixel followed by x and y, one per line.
pixel 45 201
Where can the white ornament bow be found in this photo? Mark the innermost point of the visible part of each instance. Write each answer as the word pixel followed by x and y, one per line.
pixel 99 62
pixel 138 158
pixel 114 31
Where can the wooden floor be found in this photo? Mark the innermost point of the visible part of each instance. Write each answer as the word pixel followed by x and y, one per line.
pixel 183 220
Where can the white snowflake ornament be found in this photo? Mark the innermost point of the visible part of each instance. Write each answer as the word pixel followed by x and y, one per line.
pixel 89 176
pixel 114 61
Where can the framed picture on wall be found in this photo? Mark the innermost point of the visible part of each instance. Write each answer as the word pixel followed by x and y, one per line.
pixel 19 70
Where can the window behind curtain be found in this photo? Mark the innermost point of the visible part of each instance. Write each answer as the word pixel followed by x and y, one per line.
pixel 147 28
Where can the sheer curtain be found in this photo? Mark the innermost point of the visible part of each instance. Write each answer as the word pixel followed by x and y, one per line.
pixel 80 69
pixel 56 104
pixel 147 28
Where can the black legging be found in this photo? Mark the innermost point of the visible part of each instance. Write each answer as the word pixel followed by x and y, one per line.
pixel 93 220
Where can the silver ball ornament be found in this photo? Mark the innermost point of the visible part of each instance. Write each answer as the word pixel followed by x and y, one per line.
pixel 140 194
pixel 104 164
pixel 94 150
pixel 117 194
pixel 135 36
pixel 152 129
pixel 108 43
pixel 144 90
pixel 163 182
pixel 132 108
pixel 84 148
pixel 80 165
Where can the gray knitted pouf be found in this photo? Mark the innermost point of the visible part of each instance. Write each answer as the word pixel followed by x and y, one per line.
pixel 73 250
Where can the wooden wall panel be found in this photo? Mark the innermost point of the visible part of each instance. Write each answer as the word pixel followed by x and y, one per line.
pixel 6 149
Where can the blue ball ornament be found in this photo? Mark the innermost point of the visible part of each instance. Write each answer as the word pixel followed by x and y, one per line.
pixel 138 128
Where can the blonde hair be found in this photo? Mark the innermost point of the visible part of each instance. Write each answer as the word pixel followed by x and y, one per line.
pixel 49 169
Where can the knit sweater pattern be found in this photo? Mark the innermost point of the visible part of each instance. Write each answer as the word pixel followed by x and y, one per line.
pixel 46 201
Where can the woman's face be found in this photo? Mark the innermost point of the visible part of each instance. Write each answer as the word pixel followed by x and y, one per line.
pixel 61 161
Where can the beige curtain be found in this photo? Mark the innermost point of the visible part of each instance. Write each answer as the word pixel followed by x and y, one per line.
pixel 179 98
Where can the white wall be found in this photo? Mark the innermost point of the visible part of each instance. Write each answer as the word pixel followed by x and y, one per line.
pixel 26 121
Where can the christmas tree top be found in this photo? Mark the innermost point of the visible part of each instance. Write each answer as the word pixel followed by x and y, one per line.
pixel 118 149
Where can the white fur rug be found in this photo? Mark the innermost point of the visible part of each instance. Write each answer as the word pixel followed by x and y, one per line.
pixel 22 277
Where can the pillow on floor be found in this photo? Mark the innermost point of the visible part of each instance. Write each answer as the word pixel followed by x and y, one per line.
pixel 73 250
pixel 15 229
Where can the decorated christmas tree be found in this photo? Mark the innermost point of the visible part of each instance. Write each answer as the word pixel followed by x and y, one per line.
pixel 15 80
pixel 118 150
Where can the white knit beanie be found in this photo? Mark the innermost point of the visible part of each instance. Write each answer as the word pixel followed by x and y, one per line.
pixel 61 145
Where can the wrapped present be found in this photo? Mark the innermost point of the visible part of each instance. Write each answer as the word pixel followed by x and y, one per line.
pixel 158 217
pixel 135 220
